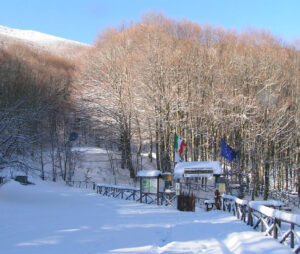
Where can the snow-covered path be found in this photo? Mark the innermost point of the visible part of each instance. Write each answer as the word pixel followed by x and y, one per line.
pixel 52 218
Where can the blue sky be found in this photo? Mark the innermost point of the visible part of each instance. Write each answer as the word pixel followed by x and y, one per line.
pixel 82 20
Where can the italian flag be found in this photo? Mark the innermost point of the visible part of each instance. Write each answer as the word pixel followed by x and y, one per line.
pixel 178 144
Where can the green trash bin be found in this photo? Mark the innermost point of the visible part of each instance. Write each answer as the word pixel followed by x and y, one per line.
pixel 22 180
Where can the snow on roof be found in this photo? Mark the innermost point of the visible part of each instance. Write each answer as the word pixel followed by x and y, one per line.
pixel 180 168
pixel 149 173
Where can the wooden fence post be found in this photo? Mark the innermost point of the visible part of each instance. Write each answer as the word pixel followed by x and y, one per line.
pixel 244 213
pixel 250 221
pixel 275 230
pixel 261 223
pixel 292 235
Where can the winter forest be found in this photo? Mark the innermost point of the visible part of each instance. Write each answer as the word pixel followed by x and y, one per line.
pixel 140 84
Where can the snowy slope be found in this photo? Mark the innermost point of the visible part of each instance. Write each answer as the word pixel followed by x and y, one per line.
pixel 39 40
pixel 93 163
pixel 52 218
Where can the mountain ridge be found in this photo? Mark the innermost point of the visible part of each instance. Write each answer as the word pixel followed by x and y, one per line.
pixel 41 41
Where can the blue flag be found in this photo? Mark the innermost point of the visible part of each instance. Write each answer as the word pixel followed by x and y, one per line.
pixel 227 151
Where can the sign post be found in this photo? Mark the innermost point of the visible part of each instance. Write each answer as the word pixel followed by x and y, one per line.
pixel 149 184
pixel 177 188
pixel 194 172
pixel 221 184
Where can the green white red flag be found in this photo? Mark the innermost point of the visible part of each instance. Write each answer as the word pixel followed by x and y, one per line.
pixel 178 144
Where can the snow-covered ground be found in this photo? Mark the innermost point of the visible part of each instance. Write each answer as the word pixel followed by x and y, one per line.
pixel 53 218
pixel 93 163
pixel 35 36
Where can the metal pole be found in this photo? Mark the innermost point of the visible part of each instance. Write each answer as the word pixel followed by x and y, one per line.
pixel 157 199
pixel 141 190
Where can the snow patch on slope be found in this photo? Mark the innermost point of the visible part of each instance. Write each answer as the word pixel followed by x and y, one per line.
pixel 34 36
pixel 104 166
pixel 41 42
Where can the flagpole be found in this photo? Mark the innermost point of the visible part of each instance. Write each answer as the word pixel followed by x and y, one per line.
pixel 174 155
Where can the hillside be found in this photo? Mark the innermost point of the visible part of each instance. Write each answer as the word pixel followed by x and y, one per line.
pixel 103 166
pixel 41 41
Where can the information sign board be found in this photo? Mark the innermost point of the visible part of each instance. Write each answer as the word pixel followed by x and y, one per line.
pixel 221 187
pixel 149 185
pixel 198 172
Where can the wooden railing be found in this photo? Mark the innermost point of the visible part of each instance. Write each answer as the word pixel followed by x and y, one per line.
pixel 127 193
pixel 167 198
pixel 82 184
pixel 123 192
pixel 262 214
pixel 132 193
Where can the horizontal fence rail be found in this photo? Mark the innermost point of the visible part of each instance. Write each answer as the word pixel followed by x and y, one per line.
pixel 128 193
pixel 133 193
pixel 123 192
pixel 167 198
pixel 82 184
pixel 267 217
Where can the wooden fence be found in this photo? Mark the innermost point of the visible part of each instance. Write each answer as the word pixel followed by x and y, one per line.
pixel 123 192
pixel 82 184
pixel 266 217
pixel 127 193
pixel 132 193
